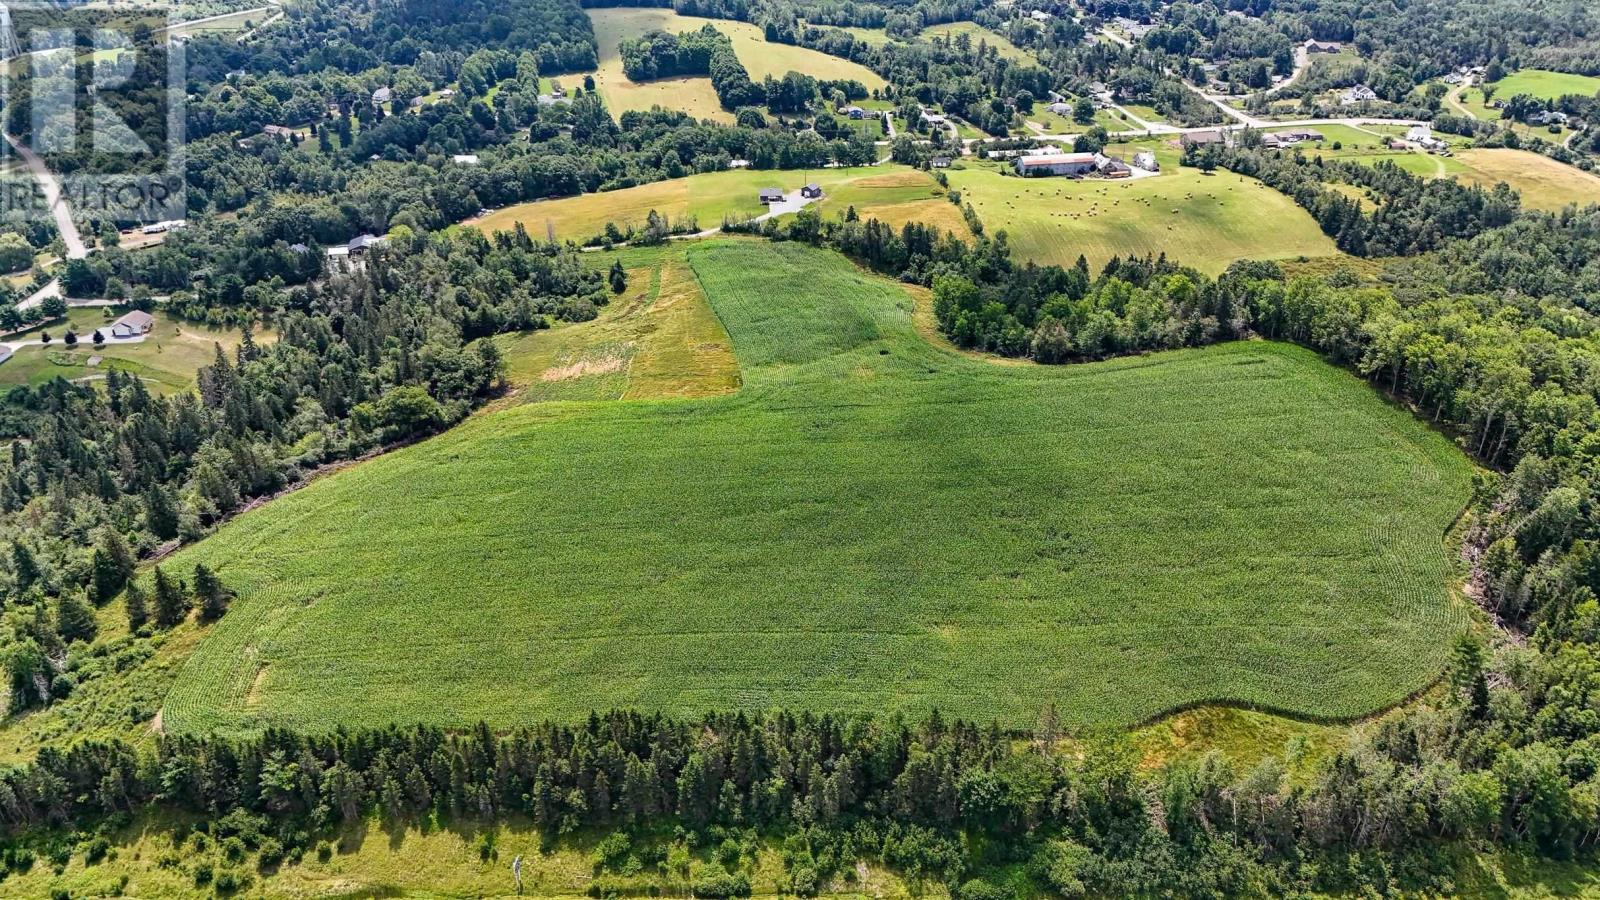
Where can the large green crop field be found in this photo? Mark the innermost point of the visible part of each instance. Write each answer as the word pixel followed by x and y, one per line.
pixel 870 522
pixel 1207 221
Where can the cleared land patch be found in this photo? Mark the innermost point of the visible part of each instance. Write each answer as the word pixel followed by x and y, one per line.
pixel 1206 221
pixel 658 339
pixel 900 192
pixel 870 523
pixel 694 95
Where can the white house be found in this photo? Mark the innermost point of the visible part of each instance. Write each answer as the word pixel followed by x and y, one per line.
pixel 1358 94
pixel 1146 160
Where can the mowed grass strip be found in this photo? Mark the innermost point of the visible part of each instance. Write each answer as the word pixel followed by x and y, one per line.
pixel 694 95
pixel 892 193
pixel 871 523
pixel 1205 221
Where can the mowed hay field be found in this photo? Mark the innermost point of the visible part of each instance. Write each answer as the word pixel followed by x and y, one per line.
pixel 870 522
pixel 1542 182
pixel 1204 221
pixel 694 95
pixel 891 193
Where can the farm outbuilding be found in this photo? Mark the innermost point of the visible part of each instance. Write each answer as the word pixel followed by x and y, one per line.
pixel 1056 164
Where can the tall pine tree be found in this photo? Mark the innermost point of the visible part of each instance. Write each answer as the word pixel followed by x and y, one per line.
pixel 209 590
pixel 172 605
pixel 75 618
pixel 138 606
pixel 110 567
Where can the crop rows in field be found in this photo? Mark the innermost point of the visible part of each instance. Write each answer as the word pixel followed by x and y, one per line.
pixel 870 523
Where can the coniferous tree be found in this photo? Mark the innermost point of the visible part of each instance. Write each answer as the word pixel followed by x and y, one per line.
pixel 213 596
pixel 75 618
pixel 138 606
pixel 23 566
pixel 161 513
pixel 618 277
pixel 172 604
pixel 111 565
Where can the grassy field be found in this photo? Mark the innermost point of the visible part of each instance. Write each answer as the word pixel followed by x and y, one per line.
pixel 1205 221
pixel 891 193
pixel 895 195
pixel 875 37
pixel 870 523
pixel 1546 85
pixel 371 860
pixel 1540 83
pixel 239 21
pixel 659 339
pixel 167 359
pixel 1543 182
pixel 1051 123
pixel 977 33
pixel 1145 112
pixel 694 95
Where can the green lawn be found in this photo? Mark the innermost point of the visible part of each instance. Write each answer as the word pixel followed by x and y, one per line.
pixel 1145 112
pixel 871 522
pixel 876 37
pixel 1205 221
pixel 1540 83
pixel 167 359
pixel 1349 139
pixel 1546 85
pixel 1109 119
